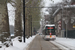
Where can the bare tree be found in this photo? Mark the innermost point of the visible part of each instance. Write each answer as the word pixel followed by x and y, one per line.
pixel 4 21
pixel 18 20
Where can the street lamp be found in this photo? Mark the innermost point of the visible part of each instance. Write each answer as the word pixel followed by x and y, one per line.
pixel 65 19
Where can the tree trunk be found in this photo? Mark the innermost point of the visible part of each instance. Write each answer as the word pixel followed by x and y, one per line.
pixel 4 21
pixel 18 21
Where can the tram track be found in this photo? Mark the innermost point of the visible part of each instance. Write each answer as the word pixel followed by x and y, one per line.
pixel 61 46
pixel 67 46
pixel 40 44
pixel 51 44
pixel 55 46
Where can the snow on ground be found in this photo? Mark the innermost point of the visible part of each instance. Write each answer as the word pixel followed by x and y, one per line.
pixel 10 48
pixel 19 45
pixel 68 42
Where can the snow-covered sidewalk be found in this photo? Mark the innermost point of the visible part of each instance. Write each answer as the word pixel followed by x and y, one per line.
pixel 19 45
pixel 67 42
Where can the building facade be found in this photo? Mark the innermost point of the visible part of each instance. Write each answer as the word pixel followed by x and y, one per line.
pixel 64 19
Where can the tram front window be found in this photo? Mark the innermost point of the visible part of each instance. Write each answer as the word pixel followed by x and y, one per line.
pixel 52 31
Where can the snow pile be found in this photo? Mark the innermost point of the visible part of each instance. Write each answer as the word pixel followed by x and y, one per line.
pixel 22 45
pixel 10 48
pixel 18 45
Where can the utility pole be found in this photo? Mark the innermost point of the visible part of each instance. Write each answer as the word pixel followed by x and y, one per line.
pixel 62 34
pixel 24 19
pixel 41 25
pixel 31 26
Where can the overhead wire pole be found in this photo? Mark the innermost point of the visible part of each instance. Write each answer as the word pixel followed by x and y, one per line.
pixel 24 19
pixel 31 26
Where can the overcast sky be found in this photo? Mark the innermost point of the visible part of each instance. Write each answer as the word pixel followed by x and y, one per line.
pixel 47 4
